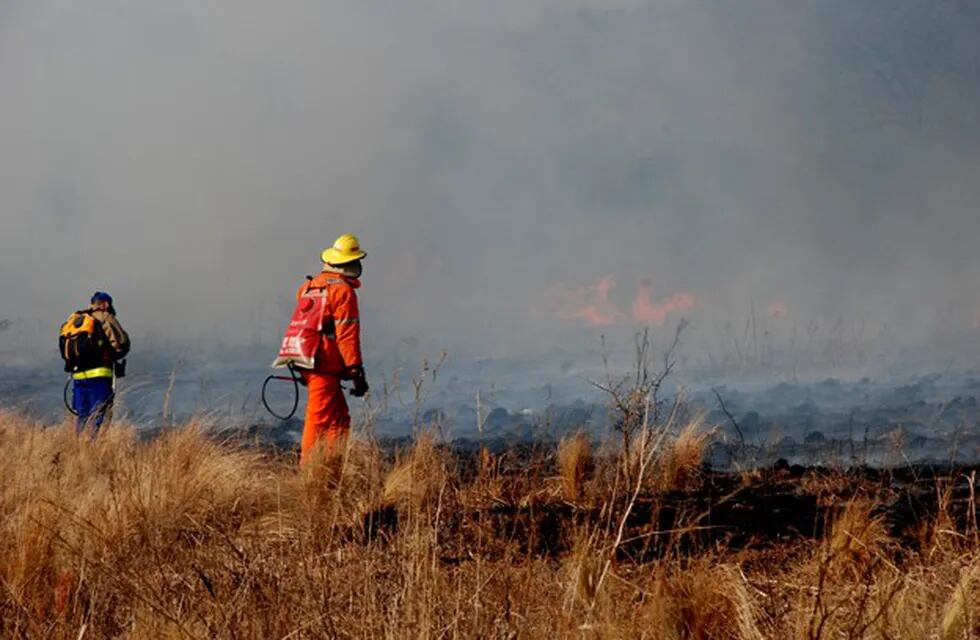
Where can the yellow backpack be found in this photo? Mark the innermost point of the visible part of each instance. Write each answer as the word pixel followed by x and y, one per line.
pixel 82 342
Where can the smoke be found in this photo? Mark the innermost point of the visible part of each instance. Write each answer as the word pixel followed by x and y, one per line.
pixel 194 157
pixel 777 310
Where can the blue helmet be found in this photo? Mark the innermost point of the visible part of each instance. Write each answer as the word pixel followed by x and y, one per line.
pixel 101 296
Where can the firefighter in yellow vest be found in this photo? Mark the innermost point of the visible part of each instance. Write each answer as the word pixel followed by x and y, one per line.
pixel 93 345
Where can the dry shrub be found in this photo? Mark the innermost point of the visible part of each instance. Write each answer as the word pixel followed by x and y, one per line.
pixel 574 463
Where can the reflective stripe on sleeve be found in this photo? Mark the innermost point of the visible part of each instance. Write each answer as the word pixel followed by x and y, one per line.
pixel 347 321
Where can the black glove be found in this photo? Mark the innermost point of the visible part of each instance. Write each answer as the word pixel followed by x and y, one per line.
pixel 356 375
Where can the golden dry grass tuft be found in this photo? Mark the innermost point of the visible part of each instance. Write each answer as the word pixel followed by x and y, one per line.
pixel 574 463
pixel 961 613
pixel 858 535
pixel 683 456
pixel 416 478
pixel 702 601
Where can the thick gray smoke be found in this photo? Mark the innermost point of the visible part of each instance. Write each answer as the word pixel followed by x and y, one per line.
pixel 193 156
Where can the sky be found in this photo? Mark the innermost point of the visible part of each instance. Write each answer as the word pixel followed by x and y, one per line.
pixel 523 173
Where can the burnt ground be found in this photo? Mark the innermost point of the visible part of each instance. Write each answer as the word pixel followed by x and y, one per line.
pixel 754 510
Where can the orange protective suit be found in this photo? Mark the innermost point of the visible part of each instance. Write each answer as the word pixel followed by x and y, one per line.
pixel 327 415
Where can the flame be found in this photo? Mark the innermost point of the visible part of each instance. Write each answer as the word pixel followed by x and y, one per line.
pixel 778 310
pixel 592 304
pixel 646 311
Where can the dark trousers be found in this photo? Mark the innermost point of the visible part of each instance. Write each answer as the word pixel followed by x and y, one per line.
pixel 92 401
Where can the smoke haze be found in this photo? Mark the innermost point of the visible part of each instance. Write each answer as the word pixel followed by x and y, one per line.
pixel 193 158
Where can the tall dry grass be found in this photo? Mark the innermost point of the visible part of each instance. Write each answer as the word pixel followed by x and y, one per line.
pixel 189 536
pixel 574 463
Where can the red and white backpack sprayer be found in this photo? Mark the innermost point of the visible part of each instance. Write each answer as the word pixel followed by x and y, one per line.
pixel 299 344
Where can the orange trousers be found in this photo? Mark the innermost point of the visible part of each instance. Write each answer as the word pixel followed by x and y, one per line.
pixel 327 415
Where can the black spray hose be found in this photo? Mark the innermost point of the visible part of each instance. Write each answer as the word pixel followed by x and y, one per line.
pixel 67 397
pixel 292 377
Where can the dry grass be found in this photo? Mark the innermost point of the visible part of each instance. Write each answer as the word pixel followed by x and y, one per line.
pixel 190 537
pixel 857 534
pixel 574 463
pixel 961 612
pixel 416 479
pixel 681 462
pixel 702 601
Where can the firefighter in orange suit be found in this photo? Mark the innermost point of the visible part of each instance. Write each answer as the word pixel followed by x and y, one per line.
pixel 338 355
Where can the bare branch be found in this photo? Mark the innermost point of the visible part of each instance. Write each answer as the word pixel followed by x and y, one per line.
pixel 731 418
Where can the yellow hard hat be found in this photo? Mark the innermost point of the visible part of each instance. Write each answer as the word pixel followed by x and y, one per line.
pixel 347 248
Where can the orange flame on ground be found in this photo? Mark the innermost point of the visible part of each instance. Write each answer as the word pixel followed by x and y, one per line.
pixel 646 311
pixel 592 304
pixel 778 310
